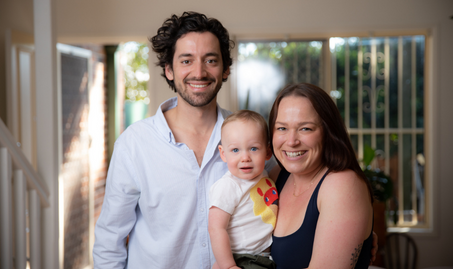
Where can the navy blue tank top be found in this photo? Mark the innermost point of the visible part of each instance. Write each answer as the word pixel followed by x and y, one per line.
pixel 295 250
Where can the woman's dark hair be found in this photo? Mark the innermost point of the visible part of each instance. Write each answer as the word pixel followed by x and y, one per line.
pixel 175 27
pixel 338 153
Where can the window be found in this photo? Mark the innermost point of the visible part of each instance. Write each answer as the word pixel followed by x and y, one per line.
pixel 378 86
pixel 134 65
pixel 264 68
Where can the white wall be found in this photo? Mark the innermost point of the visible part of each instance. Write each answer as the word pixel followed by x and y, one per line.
pixel 17 15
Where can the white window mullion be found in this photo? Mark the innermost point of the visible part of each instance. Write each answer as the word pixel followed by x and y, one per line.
pixel 387 106
pixel 414 125
pixel 346 84
pixel 333 59
pixel 323 65
pixel 360 98
pixel 400 134
pixel 295 66
pixel 308 65
pixel 373 95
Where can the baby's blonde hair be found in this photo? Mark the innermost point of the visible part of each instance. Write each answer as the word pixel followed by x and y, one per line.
pixel 248 115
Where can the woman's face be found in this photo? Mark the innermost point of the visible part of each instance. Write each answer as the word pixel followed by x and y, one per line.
pixel 297 138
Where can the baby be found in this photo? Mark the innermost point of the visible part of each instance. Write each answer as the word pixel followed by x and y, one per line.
pixel 243 203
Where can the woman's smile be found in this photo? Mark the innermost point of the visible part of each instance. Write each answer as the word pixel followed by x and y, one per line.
pixel 294 153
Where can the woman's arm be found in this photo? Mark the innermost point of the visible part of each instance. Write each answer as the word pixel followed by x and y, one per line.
pixel 220 241
pixel 345 221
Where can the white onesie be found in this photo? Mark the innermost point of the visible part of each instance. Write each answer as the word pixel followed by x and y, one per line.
pixel 253 208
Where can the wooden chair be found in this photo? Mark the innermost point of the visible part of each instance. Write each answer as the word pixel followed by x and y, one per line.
pixel 400 251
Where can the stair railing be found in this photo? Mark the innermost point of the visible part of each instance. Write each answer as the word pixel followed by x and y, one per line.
pixel 20 227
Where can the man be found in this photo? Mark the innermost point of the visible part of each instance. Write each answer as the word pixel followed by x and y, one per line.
pixel 163 167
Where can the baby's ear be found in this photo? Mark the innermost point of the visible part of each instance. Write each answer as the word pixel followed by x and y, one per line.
pixel 222 153
pixel 269 152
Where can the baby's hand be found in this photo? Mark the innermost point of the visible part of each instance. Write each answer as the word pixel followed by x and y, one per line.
pixel 216 266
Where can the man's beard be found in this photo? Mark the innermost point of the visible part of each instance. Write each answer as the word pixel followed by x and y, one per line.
pixel 198 99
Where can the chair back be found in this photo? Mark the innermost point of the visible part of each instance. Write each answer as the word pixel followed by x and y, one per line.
pixel 400 251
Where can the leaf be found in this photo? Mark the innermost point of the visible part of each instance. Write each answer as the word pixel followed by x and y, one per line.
pixel 368 155
pixel 247 100
pixel 381 184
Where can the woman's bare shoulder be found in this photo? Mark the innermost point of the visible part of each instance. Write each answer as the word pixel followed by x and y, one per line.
pixel 344 177
pixel 344 183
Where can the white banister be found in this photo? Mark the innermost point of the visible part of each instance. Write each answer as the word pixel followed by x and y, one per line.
pixel 19 183
pixel 6 242
pixel 20 188
pixel 33 179
pixel 35 229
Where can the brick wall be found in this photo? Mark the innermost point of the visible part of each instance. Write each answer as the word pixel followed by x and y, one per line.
pixel 84 114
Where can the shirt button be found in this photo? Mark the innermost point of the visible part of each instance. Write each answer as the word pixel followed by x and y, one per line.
pixel 202 209
pixel 204 245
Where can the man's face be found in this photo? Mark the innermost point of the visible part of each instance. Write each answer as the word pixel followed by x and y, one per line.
pixel 197 68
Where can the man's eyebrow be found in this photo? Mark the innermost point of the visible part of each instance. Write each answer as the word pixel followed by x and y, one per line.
pixel 215 54
pixel 212 54
pixel 184 55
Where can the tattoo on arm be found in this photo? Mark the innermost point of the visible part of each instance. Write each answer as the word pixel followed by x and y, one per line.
pixel 355 255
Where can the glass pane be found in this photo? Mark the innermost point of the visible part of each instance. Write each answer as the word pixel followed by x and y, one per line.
pixel 394 170
pixel 380 152
pixel 419 170
pixel 380 83
pixel 136 73
pixel 353 83
pixel 366 83
pixel 316 64
pixel 265 67
pixel 134 61
pixel 420 73
pixel 407 82
pixel 407 178
pixel 259 76
pixel 339 92
pixel 355 143
pixel 367 140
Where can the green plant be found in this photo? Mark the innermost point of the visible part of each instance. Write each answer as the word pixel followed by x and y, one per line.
pixel 381 183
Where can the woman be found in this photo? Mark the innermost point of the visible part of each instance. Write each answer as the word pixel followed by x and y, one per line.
pixel 325 217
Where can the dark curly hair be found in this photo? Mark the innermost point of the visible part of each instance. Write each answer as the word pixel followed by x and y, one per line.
pixel 172 29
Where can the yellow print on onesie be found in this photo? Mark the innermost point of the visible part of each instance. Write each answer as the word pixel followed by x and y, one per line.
pixel 264 196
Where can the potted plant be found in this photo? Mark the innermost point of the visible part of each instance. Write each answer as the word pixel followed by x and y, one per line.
pixel 381 183
pixel 382 186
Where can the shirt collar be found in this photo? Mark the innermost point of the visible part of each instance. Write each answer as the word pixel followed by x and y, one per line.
pixel 165 130
pixel 161 122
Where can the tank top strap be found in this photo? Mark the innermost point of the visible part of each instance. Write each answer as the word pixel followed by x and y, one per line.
pixel 283 177
pixel 319 183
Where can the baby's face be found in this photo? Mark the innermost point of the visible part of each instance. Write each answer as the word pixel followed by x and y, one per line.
pixel 244 149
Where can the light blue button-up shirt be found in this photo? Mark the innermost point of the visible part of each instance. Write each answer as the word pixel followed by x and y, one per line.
pixel 158 195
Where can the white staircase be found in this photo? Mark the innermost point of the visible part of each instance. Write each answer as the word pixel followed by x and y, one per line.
pixel 22 195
